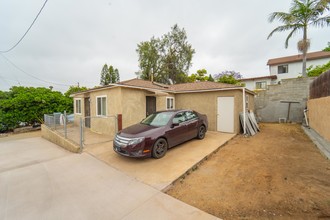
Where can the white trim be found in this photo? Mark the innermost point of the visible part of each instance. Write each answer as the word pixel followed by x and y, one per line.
pixel 75 106
pixel 106 105
pixel 244 111
pixel 170 98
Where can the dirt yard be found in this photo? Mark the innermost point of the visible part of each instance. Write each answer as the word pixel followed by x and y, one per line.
pixel 277 174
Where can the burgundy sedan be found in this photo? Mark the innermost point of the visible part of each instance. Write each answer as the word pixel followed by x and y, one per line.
pixel 154 135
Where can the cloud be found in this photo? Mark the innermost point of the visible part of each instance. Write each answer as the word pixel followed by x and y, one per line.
pixel 71 40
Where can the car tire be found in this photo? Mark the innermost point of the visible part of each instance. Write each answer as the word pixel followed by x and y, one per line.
pixel 160 148
pixel 201 132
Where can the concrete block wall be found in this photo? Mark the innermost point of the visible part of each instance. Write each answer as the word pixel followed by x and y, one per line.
pixel 268 105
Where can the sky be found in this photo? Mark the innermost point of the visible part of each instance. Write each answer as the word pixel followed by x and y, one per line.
pixel 71 40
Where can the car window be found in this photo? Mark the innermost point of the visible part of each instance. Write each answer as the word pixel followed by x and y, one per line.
pixel 157 119
pixel 190 115
pixel 180 117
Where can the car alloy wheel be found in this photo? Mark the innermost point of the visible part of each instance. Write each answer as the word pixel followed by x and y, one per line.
pixel 201 132
pixel 160 148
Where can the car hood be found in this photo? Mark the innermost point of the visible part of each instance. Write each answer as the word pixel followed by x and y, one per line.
pixel 138 130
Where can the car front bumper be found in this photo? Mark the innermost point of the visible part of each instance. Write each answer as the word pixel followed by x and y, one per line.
pixel 137 151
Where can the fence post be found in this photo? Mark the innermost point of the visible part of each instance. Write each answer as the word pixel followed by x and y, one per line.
pixel 119 122
pixel 64 122
pixel 54 121
pixel 81 135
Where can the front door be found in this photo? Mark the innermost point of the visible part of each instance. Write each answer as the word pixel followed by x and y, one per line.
pixel 87 112
pixel 151 105
pixel 225 116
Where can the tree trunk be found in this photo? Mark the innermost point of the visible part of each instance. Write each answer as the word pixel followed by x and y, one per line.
pixel 304 74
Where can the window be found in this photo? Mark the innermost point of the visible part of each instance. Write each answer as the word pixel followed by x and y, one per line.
pixel 190 116
pixel 180 117
pixel 169 103
pixel 101 106
pixel 261 85
pixel 283 69
pixel 77 106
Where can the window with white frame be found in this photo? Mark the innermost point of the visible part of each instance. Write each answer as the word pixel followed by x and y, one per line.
pixel 261 85
pixel 282 69
pixel 101 105
pixel 170 103
pixel 77 108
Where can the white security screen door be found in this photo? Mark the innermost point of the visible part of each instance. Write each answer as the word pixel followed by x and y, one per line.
pixel 225 114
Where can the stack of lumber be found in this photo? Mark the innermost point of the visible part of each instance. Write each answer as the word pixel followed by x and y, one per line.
pixel 251 124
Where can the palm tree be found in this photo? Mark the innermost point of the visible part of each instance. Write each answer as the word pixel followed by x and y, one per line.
pixel 302 14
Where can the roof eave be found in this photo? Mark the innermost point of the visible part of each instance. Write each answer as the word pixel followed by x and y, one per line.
pixel 214 90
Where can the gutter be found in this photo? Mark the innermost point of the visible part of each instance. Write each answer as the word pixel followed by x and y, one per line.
pixel 244 116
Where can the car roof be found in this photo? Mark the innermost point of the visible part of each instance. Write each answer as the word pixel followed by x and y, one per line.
pixel 174 110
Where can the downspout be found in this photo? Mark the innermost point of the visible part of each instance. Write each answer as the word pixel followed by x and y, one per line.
pixel 244 117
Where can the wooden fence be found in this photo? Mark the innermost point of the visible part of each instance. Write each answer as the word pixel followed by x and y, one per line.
pixel 320 87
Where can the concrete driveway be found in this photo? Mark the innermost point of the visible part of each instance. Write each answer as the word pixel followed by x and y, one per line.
pixel 39 180
pixel 161 173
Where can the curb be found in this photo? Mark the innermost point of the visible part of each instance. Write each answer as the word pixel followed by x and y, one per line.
pixel 322 144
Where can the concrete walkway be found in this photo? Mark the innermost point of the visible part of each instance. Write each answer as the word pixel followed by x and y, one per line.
pixel 39 180
pixel 161 173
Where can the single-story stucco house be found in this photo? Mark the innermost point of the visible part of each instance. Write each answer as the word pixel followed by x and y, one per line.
pixel 135 99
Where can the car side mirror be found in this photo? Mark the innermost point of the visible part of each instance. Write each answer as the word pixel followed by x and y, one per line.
pixel 174 125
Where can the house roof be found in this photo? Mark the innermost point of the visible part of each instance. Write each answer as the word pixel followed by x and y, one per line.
pixel 299 57
pixel 197 86
pixel 144 84
pixel 159 87
pixel 260 77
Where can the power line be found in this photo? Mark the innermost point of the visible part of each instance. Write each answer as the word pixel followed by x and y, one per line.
pixel 6 51
pixel 13 64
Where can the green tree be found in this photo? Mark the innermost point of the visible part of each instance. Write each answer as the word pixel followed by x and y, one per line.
pixel 318 70
pixel 113 75
pixel 109 75
pixel 74 89
pixel 201 75
pixel 105 77
pixel 301 15
pixel 29 104
pixel 229 77
pixel 166 58
pixel 210 78
pixel 149 59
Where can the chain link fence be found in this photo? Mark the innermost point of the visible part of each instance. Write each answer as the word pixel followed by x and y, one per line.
pixel 85 131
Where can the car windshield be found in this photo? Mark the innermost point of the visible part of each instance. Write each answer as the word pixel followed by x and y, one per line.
pixel 157 119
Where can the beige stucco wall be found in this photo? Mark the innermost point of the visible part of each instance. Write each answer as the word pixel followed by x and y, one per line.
pixel 206 103
pixel 78 116
pixel 319 116
pixel 131 103
pixel 133 106
pixel 100 124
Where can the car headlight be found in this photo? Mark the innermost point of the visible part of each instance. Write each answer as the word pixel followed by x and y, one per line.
pixel 135 141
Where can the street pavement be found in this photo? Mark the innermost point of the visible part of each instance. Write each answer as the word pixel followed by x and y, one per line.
pixel 39 180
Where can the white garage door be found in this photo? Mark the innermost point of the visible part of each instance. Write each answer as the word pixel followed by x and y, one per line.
pixel 225 119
